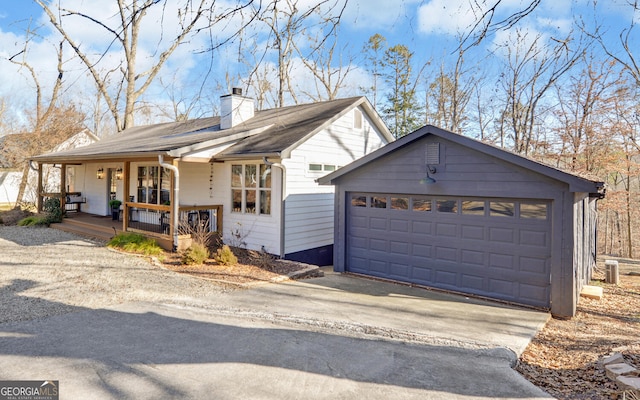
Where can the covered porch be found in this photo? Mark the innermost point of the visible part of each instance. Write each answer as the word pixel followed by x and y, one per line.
pixel 150 190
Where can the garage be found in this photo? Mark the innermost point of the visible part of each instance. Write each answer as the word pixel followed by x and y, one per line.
pixel 445 211
pixel 498 248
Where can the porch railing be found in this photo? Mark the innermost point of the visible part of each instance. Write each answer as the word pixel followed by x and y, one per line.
pixel 151 218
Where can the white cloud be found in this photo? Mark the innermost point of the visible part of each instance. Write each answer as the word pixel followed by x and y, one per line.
pixel 450 17
pixel 378 15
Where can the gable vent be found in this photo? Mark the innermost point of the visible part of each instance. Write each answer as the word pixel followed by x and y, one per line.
pixel 433 153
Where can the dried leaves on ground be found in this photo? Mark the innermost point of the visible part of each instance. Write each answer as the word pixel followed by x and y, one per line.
pixel 252 266
pixel 563 358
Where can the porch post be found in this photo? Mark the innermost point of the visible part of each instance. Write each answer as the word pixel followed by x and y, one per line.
pixel 39 198
pixel 63 186
pixel 125 210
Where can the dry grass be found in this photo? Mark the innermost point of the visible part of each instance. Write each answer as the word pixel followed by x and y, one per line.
pixel 563 358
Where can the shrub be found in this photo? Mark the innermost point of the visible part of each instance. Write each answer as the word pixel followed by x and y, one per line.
pixel 53 210
pixel 136 243
pixel 224 256
pixel 196 254
pixel 34 220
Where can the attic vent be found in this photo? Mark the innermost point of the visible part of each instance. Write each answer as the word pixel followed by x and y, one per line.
pixel 433 153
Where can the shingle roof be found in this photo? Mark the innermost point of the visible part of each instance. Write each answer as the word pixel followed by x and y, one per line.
pixel 278 130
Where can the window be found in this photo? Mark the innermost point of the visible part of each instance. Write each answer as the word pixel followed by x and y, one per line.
pixel 154 185
pixel 473 207
pixel 421 204
pixel 533 210
pixel 502 209
pixel 265 189
pixel 399 203
pixel 357 119
pixel 358 201
pixel 318 167
pixel 251 189
pixel 378 202
pixel 447 206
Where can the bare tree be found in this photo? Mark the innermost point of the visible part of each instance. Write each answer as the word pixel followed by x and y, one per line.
pixel 627 42
pixel 329 75
pixel 486 22
pixel 40 139
pixel 448 96
pixel 583 107
pixel 193 16
pixel 532 68
pixel 289 21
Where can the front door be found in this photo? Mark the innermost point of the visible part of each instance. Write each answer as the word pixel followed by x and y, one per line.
pixel 112 185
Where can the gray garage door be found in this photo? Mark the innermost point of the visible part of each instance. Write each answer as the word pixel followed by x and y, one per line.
pixel 499 248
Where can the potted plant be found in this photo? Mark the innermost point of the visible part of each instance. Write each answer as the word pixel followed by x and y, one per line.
pixel 115 209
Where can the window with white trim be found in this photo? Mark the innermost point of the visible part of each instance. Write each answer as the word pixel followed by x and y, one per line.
pixel 319 167
pixel 154 185
pixel 251 189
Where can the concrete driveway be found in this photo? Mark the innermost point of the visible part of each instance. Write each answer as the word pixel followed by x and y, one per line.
pixel 336 337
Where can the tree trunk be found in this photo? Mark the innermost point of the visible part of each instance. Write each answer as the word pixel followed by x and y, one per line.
pixel 23 184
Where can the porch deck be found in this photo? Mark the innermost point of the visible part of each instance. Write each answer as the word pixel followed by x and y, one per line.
pixel 153 223
pixel 90 225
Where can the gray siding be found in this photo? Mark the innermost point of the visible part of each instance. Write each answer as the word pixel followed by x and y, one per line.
pixel 462 171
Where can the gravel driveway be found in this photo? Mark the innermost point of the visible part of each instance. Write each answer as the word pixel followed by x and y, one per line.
pixel 38 276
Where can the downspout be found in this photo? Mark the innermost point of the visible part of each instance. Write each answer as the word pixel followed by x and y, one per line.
pixel 175 204
pixel 283 191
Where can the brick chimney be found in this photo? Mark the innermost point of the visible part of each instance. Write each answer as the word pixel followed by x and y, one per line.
pixel 235 109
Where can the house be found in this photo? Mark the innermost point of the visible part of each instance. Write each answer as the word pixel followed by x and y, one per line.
pixel 12 167
pixel 442 210
pixel 248 174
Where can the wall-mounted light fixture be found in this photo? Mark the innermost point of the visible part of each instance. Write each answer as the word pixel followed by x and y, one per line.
pixel 430 170
pixel 119 174
pixel 100 173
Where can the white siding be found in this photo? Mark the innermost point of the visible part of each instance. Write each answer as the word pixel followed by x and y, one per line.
pixel 9 186
pixel 95 190
pixel 309 210
pixel 195 184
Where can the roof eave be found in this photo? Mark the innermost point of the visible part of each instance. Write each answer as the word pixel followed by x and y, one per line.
pixel 133 156
pixel 246 156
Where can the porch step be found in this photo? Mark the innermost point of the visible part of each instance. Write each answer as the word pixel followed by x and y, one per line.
pixel 87 229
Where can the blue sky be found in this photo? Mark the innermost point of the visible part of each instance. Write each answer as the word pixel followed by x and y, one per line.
pixel 430 28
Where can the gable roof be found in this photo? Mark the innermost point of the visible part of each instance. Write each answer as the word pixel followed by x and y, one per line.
pixel 11 144
pixel 575 182
pixel 273 132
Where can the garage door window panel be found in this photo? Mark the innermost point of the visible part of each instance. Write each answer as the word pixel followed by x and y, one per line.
pixel 358 201
pixel 533 211
pixel 378 202
pixel 502 209
pixel 399 203
pixel 421 204
pixel 473 207
pixel 447 206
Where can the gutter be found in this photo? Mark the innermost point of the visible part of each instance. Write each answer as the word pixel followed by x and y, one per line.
pixel 175 204
pixel 283 192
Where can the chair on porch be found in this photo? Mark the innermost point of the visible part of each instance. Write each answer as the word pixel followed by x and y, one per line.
pixel 164 222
